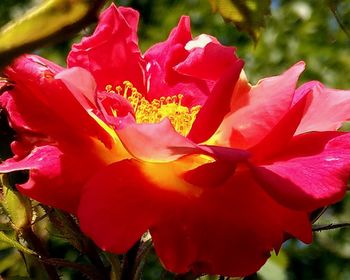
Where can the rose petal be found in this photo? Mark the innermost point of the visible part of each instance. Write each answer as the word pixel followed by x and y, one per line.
pixel 163 79
pixel 114 193
pixel 228 230
pixel 216 106
pixel 56 177
pixel 202 57
pixel 57 112
pixel 265 106
pixel 335 106
pixel 111 54
pixel 81 84
pixel 309 181
pixel 212 231
pixel 154 142
pixel 280 135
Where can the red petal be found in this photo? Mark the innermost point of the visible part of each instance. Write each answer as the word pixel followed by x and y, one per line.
pixel 57 112
pixel 163 79
pixel 306 181
pixel 159 142
pixel 334 105
pixel 155 142
pixel 228 230
pixel 120 203
pixel 56 177
pixel 111 54
pixel 210 175
pixel 81 84
pixel 213 55
pixel 262 109
pixel 280 135
pixel 216 106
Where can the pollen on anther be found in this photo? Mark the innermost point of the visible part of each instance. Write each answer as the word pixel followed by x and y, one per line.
pixel 155 111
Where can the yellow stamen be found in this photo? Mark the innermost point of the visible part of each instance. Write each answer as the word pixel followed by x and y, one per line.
pixel 181 117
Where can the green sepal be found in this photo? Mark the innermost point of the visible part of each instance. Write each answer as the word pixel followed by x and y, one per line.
pixel 67 227
pixel 17 207
pixel 15 244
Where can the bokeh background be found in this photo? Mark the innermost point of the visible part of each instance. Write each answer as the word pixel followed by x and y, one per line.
pixel 296 30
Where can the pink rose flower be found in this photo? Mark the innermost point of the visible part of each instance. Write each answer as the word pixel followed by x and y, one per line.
pixel 177 142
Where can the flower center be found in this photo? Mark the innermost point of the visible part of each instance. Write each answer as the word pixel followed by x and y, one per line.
pixel 181 117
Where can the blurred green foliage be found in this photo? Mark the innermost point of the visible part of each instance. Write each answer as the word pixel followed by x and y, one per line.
pixel 247 15
pixel 296 30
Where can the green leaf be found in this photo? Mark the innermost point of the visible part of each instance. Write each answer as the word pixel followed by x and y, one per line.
pixel 9 261
pixel 15 244
pixel 275 267
pixel 247 15
pixel 50 21
pixel 17 206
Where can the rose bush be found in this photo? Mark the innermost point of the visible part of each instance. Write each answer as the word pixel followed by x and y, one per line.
pixel 177 142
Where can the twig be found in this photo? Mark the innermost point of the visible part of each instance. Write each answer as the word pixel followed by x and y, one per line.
pixel 333 8
pixel 319 213
pixel 329 227
pixel 38 247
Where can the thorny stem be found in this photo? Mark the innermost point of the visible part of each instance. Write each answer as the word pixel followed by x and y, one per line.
pixel 129 260
pixel 330 226
pixel 317 214
pixel 87 246
pixel 38 247
pixel 334 10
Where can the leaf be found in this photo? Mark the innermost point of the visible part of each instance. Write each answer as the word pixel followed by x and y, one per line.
pixel 9 261
pixel 50 21
pixel 247 15
pixel 15 244
pixel 17 206
pixel 275 267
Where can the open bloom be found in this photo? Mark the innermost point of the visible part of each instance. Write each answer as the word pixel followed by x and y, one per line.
pixel 176 141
